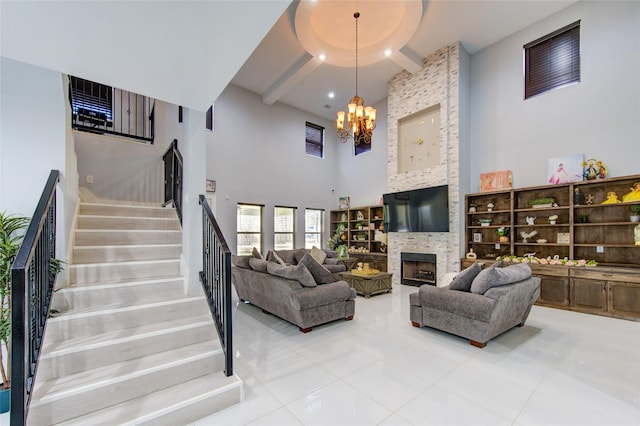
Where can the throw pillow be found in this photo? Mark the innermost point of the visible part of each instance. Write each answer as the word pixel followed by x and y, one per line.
pixel 464 279
pixel 259 265
pixel 277 258
pixel 320 274
pixel 294 272
pixel 496 277
pixel 318 254
pixel 255 253
pixel 299 254
pixel 241 261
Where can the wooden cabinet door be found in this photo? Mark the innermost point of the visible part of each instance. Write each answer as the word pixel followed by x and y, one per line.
pixel 624 299
pixel 554 290
pixel 588 295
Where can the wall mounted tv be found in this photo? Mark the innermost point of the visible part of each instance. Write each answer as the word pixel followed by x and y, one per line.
pixel 419 210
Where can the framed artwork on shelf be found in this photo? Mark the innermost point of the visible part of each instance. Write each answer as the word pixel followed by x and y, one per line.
pixel 494 181
pixel 477 237
pixel 211 185
pixel 343 203
pixel 563 238
pixel 565 169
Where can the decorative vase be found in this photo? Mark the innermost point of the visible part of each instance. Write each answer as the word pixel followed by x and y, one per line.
pixel 552 222
pixel 634 218
pixel 343 237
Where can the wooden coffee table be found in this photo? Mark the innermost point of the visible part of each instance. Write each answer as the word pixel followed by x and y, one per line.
pixel 367 285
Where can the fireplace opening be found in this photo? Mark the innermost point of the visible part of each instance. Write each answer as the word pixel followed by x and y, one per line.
pixel 418 269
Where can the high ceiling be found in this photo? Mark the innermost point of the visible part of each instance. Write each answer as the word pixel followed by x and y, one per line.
pixel 281 69
pixel 186 52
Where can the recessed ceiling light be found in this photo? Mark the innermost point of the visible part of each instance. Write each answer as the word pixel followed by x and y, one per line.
pixel 387 52
pixel 331 94
pixel 322 56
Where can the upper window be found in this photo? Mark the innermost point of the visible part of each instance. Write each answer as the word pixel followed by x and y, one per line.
pixel 249 228
pixel 314 140
pixel 552 61
pixel 284 228
pixel 313 228
pixel 98 108
pixel 362 147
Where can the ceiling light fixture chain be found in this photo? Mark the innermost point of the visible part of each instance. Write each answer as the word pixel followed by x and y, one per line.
pixel 362 120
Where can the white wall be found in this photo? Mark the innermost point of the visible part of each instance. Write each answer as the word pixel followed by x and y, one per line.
pixel 598 117
pixel 124 169
pixel 257 155
pixel 33 141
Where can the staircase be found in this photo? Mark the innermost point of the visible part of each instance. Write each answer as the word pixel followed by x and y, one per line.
pixel 127 344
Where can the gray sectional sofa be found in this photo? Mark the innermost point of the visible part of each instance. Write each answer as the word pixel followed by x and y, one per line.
pixel 293 292
pixel 479 304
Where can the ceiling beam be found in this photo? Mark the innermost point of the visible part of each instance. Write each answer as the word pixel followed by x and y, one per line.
pixel 291 78
pixel 407 59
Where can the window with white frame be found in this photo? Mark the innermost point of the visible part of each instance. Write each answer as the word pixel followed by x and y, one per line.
pixel 249 228
pixel 313 219
pixel 284 235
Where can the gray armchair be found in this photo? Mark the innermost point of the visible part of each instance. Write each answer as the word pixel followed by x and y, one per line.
pixel 477 317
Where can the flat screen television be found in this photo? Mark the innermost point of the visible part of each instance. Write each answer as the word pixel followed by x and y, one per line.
pixel 419 210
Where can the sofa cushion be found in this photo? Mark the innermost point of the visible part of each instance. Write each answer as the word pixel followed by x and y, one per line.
pixel 318 254
pixel 495 277
pixel 299 273
pixel 273 256
pixel 259 265
pixel 241 261
pixel 462 282
pixel 320 274
pixel 255 253
pixel 299 254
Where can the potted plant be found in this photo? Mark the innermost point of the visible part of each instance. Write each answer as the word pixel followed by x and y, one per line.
pixel 490 206
pixel 359 226
pixel 362 236
pixel 538 203
pixel 553 219
pixel 503 234
pixel 583 218
pixel 473 207
pixel 484 222
pixel 12 229
pixel 334 242
pixel 635 212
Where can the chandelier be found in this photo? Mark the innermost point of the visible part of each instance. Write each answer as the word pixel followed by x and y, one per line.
pixel 362 119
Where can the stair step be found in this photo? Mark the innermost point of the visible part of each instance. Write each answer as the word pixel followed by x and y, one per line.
pixel 127 222
pixel 66 357
pixel 93 237
pixel 101 319
pixel 116 271
pixel 107 209
pixel 123 253
pixel 61 399
pixel 181 404
pixel 84 295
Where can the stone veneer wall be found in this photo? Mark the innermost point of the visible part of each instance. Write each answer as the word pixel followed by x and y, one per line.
pixel 437 83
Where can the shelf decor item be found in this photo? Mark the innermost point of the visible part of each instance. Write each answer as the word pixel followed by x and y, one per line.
pixel 503 234
pixel 553 219
pixel 565 169
pixel 612 198
pixel 484 222
pixel 531 220
pixel 634 195
pixel 542 203
pixel 583 218
pixel 526 235
pixel 635 212
pixel 477 237
pixel 593 169
pixel 472 208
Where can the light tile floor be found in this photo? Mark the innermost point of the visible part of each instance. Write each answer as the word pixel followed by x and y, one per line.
pixel 562 368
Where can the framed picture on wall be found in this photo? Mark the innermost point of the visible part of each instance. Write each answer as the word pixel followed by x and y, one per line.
pixel 565 169
pixel 494 181
pixel 211 185
pixel 343 203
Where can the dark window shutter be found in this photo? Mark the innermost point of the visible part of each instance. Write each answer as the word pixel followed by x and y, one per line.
pixel 552 61
pixel 314 140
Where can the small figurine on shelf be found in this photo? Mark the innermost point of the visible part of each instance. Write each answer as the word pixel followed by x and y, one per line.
pixel 634 195
pixel 612 198
pixel 472 208
pixel 589 199
pixel 490 207
pixel 553 219
pixel 503 234
pixel 525 236
pixel 531 220
pixel 472 255
pixel 359 215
